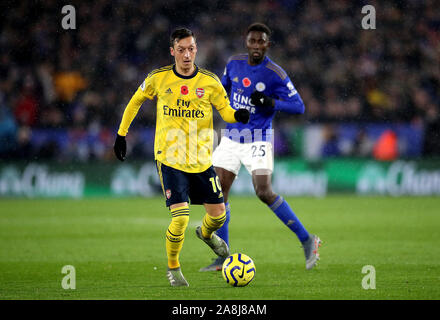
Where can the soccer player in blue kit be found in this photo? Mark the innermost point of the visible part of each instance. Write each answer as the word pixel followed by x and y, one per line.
pixel 256 83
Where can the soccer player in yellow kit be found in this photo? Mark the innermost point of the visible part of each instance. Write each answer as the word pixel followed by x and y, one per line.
pixel 183 144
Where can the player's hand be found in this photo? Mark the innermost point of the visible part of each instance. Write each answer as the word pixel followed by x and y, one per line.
pixel 259 99
pixel 242 115
pixel 120 147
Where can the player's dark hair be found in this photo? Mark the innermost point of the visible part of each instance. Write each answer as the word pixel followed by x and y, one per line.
pixel 180 33
pixel 258 26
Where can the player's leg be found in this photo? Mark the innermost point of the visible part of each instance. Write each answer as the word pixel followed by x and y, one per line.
pixel 226 161
pixel 205 189
pixel 174 186
pixel 263 189
pixel 226 178
pixel 226 164
pixel 276 203
pixel 259 161
pixel 175 235
pixel 213 220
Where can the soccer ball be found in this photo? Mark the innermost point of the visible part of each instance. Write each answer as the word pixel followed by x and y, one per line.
pixel 238 270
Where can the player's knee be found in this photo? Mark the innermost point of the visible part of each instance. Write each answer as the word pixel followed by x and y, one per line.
pixel 216 210
pixel 265 194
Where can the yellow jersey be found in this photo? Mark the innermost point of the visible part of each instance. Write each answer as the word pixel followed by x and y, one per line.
pixel 184 128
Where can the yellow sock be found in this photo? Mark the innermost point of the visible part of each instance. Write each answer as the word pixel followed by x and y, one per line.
pixel 175 235
pixel 211 224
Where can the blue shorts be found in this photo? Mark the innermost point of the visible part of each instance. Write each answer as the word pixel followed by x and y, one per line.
pixel 194 188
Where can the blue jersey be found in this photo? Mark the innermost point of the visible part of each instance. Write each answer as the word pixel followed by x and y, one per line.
pixel 241 79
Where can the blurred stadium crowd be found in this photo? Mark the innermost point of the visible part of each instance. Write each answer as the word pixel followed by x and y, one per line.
pixel 62 92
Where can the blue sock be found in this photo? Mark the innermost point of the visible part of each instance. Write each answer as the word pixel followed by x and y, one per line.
pixel 283 211
pixel 223 232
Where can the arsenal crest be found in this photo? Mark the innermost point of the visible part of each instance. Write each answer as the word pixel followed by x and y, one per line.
pixel 200 92
pixel 168 193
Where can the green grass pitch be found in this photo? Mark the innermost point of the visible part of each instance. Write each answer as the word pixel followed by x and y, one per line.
pixel 117 247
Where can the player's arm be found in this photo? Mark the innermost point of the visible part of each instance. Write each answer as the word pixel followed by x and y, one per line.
pixel 221 102
pixel 131 111
pixel 144 92
pixel 288 99
pixel 226 80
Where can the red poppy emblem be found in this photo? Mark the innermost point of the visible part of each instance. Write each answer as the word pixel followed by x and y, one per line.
pixel 200 92
pixel 168 193
pixel 246 82
pixel 184 90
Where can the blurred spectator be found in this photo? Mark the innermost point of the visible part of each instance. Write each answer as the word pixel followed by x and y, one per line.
pixel 330 147
pixel 26 108
pixel 8 130
pixel 386 147
pixel 23 148
pixel 67 84
pixel 363 145
pixel 82 79
pixel 431 146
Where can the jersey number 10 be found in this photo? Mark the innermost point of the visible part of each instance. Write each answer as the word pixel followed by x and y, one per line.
pixel 215 184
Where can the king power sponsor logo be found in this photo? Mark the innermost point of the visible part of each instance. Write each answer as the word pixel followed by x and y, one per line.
pixel 400 178
pixel 240 101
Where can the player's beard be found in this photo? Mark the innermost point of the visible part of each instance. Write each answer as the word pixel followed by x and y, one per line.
pixel 256 59
pixel 186 66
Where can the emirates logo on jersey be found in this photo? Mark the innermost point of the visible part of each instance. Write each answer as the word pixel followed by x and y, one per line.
pixel 246 82
pixel 184 90
pixel 200 92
